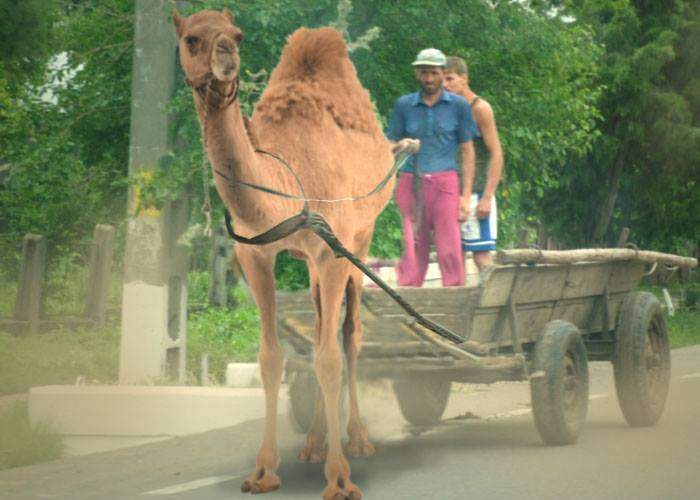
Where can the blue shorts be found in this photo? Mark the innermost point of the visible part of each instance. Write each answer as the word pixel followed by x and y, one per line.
pixel 479 235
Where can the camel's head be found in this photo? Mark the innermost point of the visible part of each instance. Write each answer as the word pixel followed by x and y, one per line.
pixel 209 49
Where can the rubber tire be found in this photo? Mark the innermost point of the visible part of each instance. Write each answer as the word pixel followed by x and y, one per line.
pixel 559 411
pixel 641 327
pixel 422 398
pixel 303 388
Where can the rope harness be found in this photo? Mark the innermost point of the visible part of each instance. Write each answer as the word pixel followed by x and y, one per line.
pixel 307 219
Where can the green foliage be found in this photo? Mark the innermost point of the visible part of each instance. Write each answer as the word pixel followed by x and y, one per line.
pixel 387 241
pixel 645 163
pixel 26 34
pixel 225 335
pixel 23 443
pixel 537 72
pixel 65 139
pixel 616 84
pixel 290 273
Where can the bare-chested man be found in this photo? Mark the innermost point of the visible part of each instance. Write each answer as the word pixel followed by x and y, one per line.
pixel 479 231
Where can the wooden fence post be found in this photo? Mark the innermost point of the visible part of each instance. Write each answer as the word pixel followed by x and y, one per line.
pixel 31 281
pixel 524 238
pixel 99 274
pixel 219 265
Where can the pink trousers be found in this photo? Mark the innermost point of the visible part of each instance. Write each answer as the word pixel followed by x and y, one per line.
pixel 440 217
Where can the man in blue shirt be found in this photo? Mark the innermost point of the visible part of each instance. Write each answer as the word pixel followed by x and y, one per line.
pixel 443 124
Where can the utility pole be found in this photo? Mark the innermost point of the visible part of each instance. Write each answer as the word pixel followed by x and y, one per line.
pixel 154 304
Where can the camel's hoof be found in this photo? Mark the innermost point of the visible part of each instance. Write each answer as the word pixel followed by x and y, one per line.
pixel 342 491
pixel 262 481
pixel 314 451
pixel 359 448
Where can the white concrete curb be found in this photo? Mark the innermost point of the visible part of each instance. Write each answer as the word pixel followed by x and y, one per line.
pixel 144 410
pixel 243 375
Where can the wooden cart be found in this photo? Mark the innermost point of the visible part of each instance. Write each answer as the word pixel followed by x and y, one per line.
pixel 539 322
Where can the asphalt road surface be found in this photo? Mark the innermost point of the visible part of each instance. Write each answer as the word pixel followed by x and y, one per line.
pixel 499 457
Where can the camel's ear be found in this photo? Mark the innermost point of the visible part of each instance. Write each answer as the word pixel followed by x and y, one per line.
pixel 179 23
pixel 228 14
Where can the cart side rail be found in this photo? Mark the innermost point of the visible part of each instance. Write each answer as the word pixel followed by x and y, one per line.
pixel 518 301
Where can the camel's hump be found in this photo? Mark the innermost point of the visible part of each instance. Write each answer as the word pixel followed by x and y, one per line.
pixel 313 78
pixel 311 53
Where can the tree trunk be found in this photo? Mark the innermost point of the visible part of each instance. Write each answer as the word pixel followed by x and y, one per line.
pixel 606 209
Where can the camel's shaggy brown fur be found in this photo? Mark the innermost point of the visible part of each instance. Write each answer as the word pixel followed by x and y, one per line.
pixel 315 75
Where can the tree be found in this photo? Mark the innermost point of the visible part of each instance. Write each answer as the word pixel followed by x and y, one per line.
pixel 643 170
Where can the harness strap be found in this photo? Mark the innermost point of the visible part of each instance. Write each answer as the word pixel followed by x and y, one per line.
pixel 285 228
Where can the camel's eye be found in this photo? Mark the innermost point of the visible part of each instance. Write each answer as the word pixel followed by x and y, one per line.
pixel 191 42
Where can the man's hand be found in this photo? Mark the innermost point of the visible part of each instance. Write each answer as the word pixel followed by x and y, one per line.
pixel 464 208
pixel 409 145
pixel 483 209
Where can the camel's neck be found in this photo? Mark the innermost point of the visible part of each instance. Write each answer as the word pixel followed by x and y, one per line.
pixel 231 153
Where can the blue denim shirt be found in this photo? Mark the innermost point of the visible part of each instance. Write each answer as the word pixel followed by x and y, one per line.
pixel 441 128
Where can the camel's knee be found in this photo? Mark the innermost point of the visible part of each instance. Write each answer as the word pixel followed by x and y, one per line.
pixel 329 367
pixel 271 359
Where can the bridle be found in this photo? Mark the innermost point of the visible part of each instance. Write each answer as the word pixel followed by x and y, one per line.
pixel 205 90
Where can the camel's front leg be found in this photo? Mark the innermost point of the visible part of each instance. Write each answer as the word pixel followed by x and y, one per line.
pixel 358 444
pixel 333 276
pixel 258 267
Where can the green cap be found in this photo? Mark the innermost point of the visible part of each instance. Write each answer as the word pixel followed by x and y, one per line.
pixel 430 57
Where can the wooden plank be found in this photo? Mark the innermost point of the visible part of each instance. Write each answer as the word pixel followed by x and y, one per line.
pixel 539 283
pixel 521 256
pixel 625 276
pixel 587 279
pixel 425 300
pixel 535 284
pixel 497 285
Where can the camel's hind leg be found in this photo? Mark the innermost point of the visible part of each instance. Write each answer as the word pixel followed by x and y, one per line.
pixel 314 449
pixel 333 276
pixel 259 269
pixel 358 444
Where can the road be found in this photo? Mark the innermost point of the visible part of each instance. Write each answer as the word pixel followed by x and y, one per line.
pixel 499 457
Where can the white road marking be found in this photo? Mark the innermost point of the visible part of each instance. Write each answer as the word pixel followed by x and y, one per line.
pixel 598 396
pixel 691 375
pixel 193 485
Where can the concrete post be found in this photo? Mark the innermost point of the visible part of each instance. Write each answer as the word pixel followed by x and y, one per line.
pixel 31 282
pixel 155 266
pixel 100 274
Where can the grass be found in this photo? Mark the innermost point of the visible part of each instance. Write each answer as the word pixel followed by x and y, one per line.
pixel 62 356
pixel 684 328
pixel 57 357
pixel 22 443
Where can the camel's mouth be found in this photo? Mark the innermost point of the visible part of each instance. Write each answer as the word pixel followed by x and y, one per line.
pixel 224 60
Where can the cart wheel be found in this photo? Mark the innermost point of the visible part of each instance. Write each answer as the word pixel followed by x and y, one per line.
pixel 302 399
pixel 559 383
pixel 422 398
pixel 642 360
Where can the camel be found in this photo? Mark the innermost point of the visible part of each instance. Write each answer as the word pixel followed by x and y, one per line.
pixel 316 115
